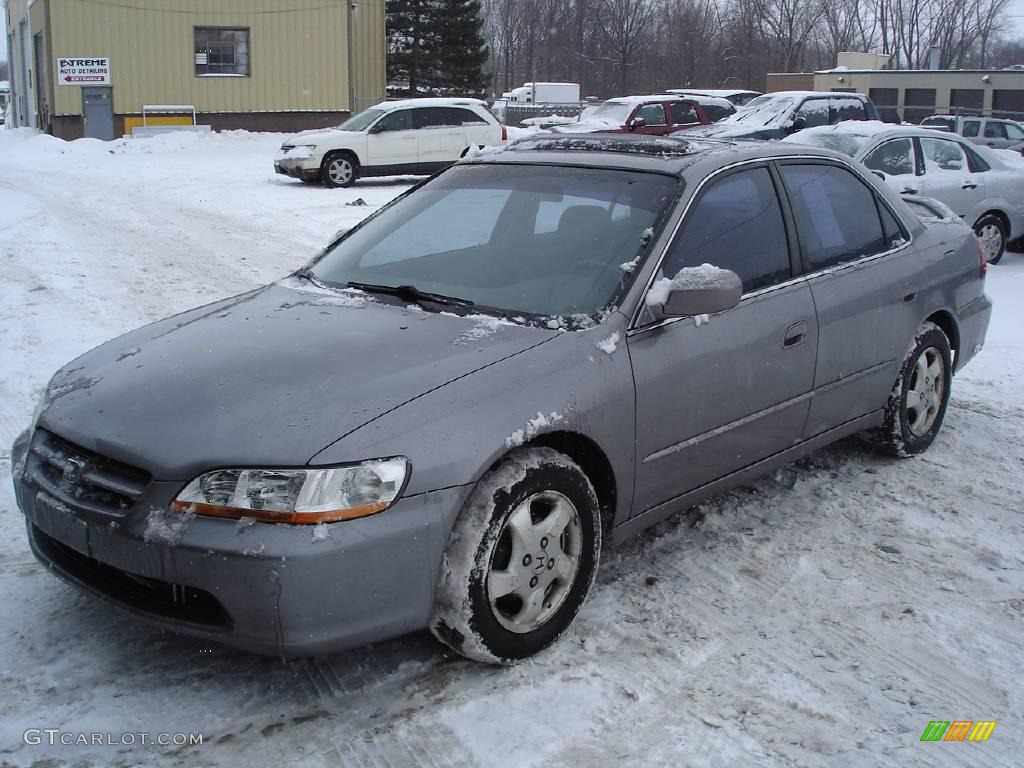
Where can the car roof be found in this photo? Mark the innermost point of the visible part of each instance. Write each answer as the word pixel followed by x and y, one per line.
pixel 806 94
pixel 703 98
pixel 648 97
pixel 429 102
pixel 661 154
pixel 723 93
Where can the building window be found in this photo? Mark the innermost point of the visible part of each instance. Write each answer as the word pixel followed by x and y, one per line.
pixel 918 103
pixel 222 52
pixel 966 101
pixel 886 101
pixel 1008 104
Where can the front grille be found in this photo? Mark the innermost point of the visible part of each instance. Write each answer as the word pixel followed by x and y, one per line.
pixel 81 478
pixel 160 598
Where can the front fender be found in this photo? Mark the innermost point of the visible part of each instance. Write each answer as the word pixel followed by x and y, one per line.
pixel 453 434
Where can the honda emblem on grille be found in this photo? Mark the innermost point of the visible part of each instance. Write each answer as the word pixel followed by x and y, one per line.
pixel 73 469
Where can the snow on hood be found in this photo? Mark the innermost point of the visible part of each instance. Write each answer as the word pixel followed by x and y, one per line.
pixel 317 135
pixel 267 378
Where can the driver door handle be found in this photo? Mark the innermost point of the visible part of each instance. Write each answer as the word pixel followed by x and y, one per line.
pixel 795 335
pixel 969 185
pixel 908 191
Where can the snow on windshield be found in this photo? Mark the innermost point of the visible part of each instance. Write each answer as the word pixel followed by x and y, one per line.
pixel 612 111
pixel 770 110
pixel 849 137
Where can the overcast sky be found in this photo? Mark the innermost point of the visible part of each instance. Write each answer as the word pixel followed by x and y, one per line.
pixel 1016 12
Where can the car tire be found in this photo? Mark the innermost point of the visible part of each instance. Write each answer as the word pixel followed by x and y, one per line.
pixel 339 169
pixel 917 404
pixel 991 231
pixel 531 530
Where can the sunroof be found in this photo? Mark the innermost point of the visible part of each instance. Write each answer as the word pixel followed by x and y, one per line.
pixel 662 146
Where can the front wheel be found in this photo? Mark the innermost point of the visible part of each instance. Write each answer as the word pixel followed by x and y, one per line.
pixel 992 233
pixel 338 170
pixel 520 560
pixel 917 403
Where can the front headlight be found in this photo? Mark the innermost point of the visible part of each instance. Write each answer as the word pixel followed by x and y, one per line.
pixel 297 495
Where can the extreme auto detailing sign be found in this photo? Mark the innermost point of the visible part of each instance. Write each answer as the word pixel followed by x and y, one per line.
pixel 94 71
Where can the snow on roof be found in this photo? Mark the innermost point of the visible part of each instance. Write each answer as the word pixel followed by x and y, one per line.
pixel 723 93
pixel 865 128
pixel 703 98
pixel 430 102
pixel 5 85
pixel 648 97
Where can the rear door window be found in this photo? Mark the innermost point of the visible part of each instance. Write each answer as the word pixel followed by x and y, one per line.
pixel 836 214
pixel 971 128
pixel 995 130
pixel 1014 132
pixel 893 158
pixel 431 117
pixel 683 113
pixel 847 109
pixel 460 116
pixel 736 224
pixel 942 155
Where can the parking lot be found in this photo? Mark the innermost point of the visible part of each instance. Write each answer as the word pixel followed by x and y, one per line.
pixel 820 617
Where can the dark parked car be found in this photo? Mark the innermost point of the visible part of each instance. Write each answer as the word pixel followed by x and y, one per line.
pixel 777 115
pixel 655 115
pixel 438 421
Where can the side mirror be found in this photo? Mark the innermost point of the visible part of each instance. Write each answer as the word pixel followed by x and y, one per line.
pixel 703 290
pixel 637 122
pixel 799 123
pixel 879 174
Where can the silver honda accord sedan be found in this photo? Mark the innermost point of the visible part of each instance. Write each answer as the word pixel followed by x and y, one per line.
pixel 438 421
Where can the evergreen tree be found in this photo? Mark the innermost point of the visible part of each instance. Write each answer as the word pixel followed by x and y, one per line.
pixel 437 47
pixel 461 49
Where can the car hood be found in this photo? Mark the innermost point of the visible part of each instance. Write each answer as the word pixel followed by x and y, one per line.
pixel 321 135
pixel 268 378
pixel 587 126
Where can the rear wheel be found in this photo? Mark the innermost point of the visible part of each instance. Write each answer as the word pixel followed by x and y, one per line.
pixel 992 233
pixel 917 403
pixel 520 560
pixel 338 170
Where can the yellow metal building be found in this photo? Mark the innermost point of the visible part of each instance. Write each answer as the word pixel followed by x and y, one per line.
pixel 89 67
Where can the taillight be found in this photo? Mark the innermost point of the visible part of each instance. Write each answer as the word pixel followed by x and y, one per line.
pixel 982 261
pixel 504 133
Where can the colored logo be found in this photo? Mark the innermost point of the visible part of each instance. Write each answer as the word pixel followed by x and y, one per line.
pixel 958 730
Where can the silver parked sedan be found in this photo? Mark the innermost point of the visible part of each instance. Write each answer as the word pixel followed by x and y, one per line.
pixel 438 422
pixel 984 187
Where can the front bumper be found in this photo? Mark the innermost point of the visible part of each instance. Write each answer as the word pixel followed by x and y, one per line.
pixel 307 170
pixel 265 588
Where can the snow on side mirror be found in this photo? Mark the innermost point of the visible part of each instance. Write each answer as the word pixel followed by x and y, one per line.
pixel 703 290
pixel 637 122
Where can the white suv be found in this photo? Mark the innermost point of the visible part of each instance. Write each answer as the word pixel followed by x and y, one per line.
pixel 413 136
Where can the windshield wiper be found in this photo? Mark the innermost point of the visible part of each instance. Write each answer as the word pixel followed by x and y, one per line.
pixel 411 293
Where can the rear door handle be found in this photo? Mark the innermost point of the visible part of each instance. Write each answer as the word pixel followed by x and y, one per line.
pixel 969 185
pixel 910 292
pixel 908 191
pixel 795 335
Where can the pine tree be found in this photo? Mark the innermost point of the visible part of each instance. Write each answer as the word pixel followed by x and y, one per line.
pixel 437 47
pixel 461 49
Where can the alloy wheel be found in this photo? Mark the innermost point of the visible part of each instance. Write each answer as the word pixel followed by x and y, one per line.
pixel 535 561
pixel 925 391
pixel 340 170
pixel 991 238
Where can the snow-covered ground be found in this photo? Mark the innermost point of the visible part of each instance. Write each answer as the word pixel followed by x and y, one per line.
pixel 821 617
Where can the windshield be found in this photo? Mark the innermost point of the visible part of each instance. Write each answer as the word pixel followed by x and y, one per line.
pixel 362 121
pixel 762 111
pixel 613 112
pixel 520 239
